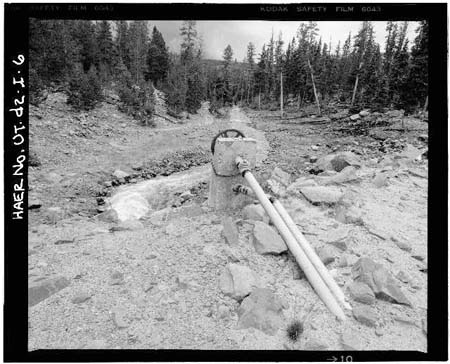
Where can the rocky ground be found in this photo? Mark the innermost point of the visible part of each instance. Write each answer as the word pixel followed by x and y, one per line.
pixel 178 275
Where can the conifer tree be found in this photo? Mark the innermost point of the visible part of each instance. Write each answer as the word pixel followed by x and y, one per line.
pixel 157 58
pixel 121 43
pixel 418 75
pixel 137 49
pixel 105 45
pixel 227 59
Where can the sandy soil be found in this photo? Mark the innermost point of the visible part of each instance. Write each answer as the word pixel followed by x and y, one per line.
pixel 156 286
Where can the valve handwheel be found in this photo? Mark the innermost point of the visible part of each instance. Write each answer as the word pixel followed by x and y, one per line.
pixel 229 133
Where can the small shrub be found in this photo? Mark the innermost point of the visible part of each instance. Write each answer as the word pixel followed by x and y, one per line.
pixel 138 101
pixel 85 90
pixel 294 330
pixel 37 92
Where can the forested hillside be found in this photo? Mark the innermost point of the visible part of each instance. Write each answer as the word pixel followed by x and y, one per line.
pixel 90 59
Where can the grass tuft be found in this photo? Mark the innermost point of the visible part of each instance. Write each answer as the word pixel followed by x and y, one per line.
pixel 294 330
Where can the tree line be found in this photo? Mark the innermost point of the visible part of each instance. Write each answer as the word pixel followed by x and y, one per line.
pixel 357 72
pixel 91 58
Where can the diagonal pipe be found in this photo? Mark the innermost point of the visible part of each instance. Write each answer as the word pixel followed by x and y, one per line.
pixel 304 244
pixel 309 251
pixel 311 273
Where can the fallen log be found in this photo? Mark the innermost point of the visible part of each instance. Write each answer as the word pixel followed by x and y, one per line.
pixel 165 117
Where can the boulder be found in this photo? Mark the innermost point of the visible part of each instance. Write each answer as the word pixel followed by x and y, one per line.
pixel 81 297
pixel 230 231
pixel 364 113
pixel 410 152
pixel 276 187
pixel 266 240
pixel 255 212
pixel 365 315
pixel 261 310
pixel 379 134
pixel 337 162
pixel 348 174
pixel 42 289
pixel 402 245
pixel 295 187
pixel 237 281
pixel 326 254
pixel 380 180
pixel 361 292
pixel 108 216
pixel 350 215
pixel 281 176
pixel 379 280
pixel 337 237
pixel 354 117
pixel 120 174
pixel 322 195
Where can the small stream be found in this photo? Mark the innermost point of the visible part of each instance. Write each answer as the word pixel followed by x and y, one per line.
pixel 138 200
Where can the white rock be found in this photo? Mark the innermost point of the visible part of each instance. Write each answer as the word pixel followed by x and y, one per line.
pixel 318 195
pixel 364 113
pixel 120 174
pixel 255 212
pixel 266 240
pixel 237 281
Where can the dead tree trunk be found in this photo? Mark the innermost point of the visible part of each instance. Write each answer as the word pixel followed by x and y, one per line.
pixel 281 94
pixel 314 86
pixel 356 83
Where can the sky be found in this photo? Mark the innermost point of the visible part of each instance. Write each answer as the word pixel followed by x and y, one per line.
pixel 217 35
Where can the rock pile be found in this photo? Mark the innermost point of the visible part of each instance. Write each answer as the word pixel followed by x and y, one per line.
pixel 378 279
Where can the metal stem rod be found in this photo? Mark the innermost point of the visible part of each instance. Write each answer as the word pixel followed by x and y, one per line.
pixel 313 276
pixel 309 251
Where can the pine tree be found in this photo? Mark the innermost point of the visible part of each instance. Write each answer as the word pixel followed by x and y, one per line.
pixel 84 89
pixel 250 58
pixel 83 32
pixel 137 49
pixel 121 43
pixel 105 45
pixel 189 33
pixel 226 66
pixel 157 58
pixel 418 75
pixel 53 51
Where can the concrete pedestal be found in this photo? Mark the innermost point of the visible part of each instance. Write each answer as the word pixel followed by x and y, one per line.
pixel 221 195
